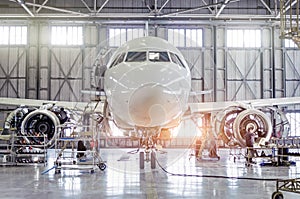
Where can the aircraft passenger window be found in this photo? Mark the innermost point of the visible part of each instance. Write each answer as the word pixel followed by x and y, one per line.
pixel 158 56
pixel 176 59
pixel 119 59
pixel 136 57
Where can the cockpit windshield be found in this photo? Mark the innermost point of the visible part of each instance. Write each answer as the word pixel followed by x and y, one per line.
pixel 119 59
pixel 158 56
pixel 136 56
pixel 153 56
pixel 176 59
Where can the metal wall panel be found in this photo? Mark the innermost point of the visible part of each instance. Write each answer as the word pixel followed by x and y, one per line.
pixel 91 35
pixel 243 73
pixel 33 60
pixel 279 71
pixel 13 71
pixel 66 73
pixel 43 72
pixel 220 59
pixel 292 61
pixel 32 73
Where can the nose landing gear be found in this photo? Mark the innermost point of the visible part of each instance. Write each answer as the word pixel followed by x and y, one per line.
pixel 148 140
pixel 148 155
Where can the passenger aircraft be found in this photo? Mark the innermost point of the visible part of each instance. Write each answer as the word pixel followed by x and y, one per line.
pixel 147 84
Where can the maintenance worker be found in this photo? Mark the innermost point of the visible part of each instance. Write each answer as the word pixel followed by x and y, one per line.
pixel 249 137
pixel 213 148
pixel 81 148
pixel 197 147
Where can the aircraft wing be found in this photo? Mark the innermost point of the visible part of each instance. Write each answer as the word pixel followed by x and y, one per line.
pixel 94 106
pixel 218 106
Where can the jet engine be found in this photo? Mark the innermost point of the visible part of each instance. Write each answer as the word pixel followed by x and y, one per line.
pixel 281 125
pixel 33 125
pixel 14 119
pixel 43 122
pixel 224 123
pixel 255 118
pixel 233 122
pixel 39 123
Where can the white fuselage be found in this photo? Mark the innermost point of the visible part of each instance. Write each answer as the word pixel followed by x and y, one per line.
pixel 147 84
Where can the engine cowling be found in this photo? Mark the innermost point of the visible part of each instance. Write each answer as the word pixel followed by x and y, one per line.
pixel 281 125
pixel 255 118
pixel 233 122
pixel 39 123
pixel 224 123
pixel 15 118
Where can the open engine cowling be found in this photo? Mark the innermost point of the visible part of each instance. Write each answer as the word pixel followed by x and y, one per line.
pixel 32 125
pixel 281 125
pixel 40 123
pixel 14 119
pixel 255 118
pixel 233 122
pixel 224 123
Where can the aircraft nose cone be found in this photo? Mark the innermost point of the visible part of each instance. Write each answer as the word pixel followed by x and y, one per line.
pixel 151 105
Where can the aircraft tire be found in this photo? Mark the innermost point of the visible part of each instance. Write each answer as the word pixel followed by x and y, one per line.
pixel 142 160
pixel 153 160
pixel 277 195
pixel 102 166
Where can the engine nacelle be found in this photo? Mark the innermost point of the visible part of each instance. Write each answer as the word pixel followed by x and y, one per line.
pixel 33 125
pixel 39 123
pixel 281 125
pixel 224 123
pixel 233 122
pixel 255 118
pixel 14 119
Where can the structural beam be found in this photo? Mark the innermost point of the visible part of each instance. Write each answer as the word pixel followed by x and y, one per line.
pixel 56 9
pixel 21 2
pixel 222 8
pixel 102 6
pixel 84 3
pixel 193 9
pixel 40 8
pixel 267 7
pixel 166 2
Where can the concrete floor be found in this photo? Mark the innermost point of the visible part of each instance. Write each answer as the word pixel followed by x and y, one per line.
pixel 123 178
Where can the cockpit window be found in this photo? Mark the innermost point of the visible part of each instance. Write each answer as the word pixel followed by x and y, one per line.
pixel 176 59
pixel 158 56
pixel 118 60
pixel 136 56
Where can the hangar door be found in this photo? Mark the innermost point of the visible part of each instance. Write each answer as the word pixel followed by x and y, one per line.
pixel 247 64
pixel 13 60
pixel 292 72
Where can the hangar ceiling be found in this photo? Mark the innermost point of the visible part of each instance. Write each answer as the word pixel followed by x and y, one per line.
pixel 142 9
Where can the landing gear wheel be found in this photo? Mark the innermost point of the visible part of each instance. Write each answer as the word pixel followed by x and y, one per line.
pixel 57 171
pixel 153 160
pixel 142 160
pixel 277 195
pixel 102 166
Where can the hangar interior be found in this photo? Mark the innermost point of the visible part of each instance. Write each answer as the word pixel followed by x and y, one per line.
pixel 236 49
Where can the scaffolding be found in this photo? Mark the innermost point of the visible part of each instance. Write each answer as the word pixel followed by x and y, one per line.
pixel 70 156
pixel 17 149
pixel 276 153
pixel 289 20
pixel 289 185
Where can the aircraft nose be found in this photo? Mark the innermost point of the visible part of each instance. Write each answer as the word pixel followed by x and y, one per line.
pixel 151 105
